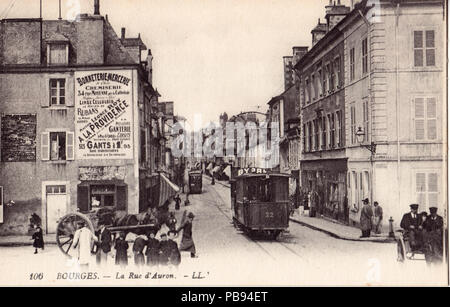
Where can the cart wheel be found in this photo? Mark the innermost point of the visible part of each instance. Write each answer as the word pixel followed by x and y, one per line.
pixel 400 251
pixel 66 230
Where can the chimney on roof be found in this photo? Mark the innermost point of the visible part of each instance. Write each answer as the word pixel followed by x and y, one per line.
pixel 123 33
pixel 96 7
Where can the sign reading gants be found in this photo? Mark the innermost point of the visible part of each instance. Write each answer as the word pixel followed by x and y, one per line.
pixel 103 114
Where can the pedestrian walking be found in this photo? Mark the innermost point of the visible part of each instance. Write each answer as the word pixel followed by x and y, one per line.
pixel 152 251
pixel 175 256
pixel 164 250
pixel 138 250
pixel 83 241
pixel 313 199
pixel 377 217
pixel 38 239
pixel 177 202
pixel 121 247
pixel 103 244
pixel 187 243
pixel 187 202
pixel 365 220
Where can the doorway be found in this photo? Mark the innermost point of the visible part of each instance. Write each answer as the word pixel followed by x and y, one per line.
pixel 56 205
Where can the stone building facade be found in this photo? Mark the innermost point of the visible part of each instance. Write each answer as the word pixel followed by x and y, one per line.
pixel 75 120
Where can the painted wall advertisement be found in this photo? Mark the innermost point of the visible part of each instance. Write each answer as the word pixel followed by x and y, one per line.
pixel 104 114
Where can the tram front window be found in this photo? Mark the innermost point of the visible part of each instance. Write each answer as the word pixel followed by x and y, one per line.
pixel 258 189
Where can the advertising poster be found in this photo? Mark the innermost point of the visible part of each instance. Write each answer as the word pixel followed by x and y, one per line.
pixel 104 114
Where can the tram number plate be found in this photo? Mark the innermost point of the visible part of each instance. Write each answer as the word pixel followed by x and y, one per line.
pixel 269 215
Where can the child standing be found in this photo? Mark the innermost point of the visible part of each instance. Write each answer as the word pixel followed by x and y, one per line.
pixel 138 248
pixel 38 239
pixel 121 246
pixel 152 251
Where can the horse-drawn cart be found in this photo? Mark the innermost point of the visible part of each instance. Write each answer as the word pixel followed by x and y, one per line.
pixel 115 221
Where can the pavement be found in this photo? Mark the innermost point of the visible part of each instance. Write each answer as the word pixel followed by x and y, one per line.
pixel 326 225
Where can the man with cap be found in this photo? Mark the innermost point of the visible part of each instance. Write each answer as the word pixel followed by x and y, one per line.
pixel 365 220
pixel 433 230
pixel 187 243
pixel 411 223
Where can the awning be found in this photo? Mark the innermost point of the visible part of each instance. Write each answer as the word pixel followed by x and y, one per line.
pixel 227 171
pixel 216 169
pixel 167 189
pixel 210 166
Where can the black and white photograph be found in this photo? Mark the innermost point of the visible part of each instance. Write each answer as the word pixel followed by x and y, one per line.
pixel 202 143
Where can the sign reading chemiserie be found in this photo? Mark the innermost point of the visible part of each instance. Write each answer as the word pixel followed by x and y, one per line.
pixel 103 115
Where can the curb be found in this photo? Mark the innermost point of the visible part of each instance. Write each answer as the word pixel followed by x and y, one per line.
pixel 334 235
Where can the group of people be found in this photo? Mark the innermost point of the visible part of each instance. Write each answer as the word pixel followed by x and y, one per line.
pixel 424 232
pixel 147 249
pixel 370 219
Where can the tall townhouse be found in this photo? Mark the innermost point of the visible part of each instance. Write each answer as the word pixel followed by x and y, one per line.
pixel 396 105
pixel 323 162
pixel 75 105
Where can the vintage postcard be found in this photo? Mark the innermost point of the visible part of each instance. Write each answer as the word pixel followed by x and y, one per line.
pixel 223 143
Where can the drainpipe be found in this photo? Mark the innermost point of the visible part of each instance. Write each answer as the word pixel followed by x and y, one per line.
pixel 369 55
pixel 397 105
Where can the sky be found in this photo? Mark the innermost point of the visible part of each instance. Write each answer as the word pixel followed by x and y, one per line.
pixel 210 56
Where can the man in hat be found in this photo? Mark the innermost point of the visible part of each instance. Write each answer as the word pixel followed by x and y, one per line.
pixel 378 217
pixel 433 230
pixel 365 220
pixel 187 243
pixel 152 251
pixel 103 244
pixel 164 250
pixel 82 241
pixel 411 223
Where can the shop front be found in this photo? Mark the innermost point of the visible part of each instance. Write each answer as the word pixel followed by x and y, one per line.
pixel 327 178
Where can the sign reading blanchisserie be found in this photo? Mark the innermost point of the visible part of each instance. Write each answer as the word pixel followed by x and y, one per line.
pixel 103 114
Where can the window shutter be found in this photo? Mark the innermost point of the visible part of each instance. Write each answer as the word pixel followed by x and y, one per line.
pixel 45 147
pixel 45 97
pixel 70 146
pixel 419 115
pixel 431 119
pixel 83 198
pixel 421 189
pixel 433 190
pixel 70 92
pixel 430 44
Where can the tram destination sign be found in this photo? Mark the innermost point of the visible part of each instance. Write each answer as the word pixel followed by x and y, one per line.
pixel 103 114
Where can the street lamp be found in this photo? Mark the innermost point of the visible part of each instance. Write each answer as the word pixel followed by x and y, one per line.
pixel 372 147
